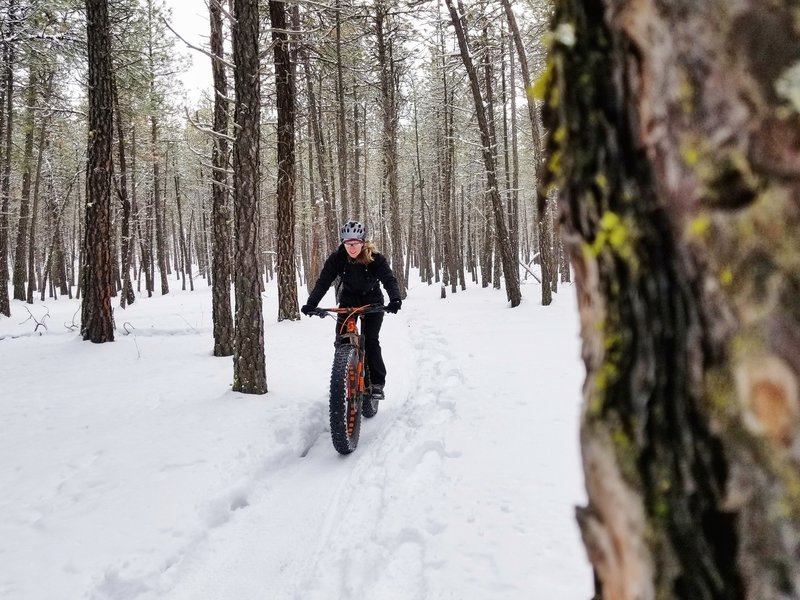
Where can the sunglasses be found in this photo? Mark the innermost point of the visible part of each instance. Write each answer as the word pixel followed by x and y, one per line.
pixel 353 244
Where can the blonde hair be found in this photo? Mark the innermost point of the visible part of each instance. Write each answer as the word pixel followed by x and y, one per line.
pixel 366 255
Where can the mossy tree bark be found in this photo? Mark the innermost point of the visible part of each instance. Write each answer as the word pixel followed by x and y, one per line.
pixel 675 136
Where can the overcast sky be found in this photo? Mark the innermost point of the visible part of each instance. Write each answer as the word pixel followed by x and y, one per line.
pixel 190 20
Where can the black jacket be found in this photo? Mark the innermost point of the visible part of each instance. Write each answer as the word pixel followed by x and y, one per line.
pixel 360 283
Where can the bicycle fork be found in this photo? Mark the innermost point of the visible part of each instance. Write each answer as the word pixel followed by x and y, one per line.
pixel 355 377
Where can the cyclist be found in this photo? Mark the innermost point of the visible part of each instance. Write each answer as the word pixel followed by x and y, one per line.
pixel 361 269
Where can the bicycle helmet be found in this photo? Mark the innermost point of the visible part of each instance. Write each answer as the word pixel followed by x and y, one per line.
pixel 352 230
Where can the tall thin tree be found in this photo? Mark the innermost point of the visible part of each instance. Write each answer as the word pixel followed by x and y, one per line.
pixel 220 214
pixel 97 322
pixel 249 363
pixel 23 222
pixel 6 137
pixel 285 93
pixel 158 204
pixel 127 295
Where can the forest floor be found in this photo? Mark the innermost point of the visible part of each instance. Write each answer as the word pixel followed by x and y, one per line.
pixel 130 470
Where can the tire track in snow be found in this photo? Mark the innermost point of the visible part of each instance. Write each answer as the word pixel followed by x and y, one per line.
pixel 135 578
pixel 343 527
pixel 376 540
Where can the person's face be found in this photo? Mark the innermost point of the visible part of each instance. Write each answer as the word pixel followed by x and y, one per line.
pixel 353 248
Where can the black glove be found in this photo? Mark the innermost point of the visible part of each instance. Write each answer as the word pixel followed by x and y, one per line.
pixel 394 306
pixel 308 310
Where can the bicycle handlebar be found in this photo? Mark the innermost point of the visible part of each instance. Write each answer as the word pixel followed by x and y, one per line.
pixel 349 310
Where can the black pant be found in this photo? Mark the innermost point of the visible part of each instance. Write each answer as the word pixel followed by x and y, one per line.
pixel 371 329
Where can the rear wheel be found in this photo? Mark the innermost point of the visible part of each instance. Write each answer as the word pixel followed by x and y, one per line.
pixel 345 400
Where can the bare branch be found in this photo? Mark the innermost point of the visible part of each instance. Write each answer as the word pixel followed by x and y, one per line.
pixel 524 266
pixel 39 323
pixel 207 130
pixel 198 48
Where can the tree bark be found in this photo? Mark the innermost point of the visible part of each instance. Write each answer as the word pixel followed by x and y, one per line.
pixel 285 92
pixel 426 267
pixel 341 126
pixel 221 239
pixel 158 205
pixel 97 323
pixel 181 247
pixel 675 146
pixel 249 366
pixel 6 137
pixel 355 194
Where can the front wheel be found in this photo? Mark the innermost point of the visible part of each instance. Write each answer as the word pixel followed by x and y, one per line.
pixel 345 399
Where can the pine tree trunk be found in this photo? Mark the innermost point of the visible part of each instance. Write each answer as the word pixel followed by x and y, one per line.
pixel 341 126
pixel 97 322
pixel 159 209
pixel 449 204
pixel 426 268
pixel 675 145
pixel 43 141
pixel 127 295
pixel 220 215
pixel 461 258
pixel 411 241
pixel 285 92
pixel 145 246
pixel 544 228
pixel 188 251
pixel 6 137
pixel 21 253
pixel 249 367
pixel 355 194
pixel 515 226
pixel 181 247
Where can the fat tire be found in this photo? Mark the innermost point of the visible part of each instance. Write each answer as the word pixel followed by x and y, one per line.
pixel 342 399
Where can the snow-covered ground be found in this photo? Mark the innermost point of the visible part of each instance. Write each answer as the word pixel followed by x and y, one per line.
pixel 131 470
